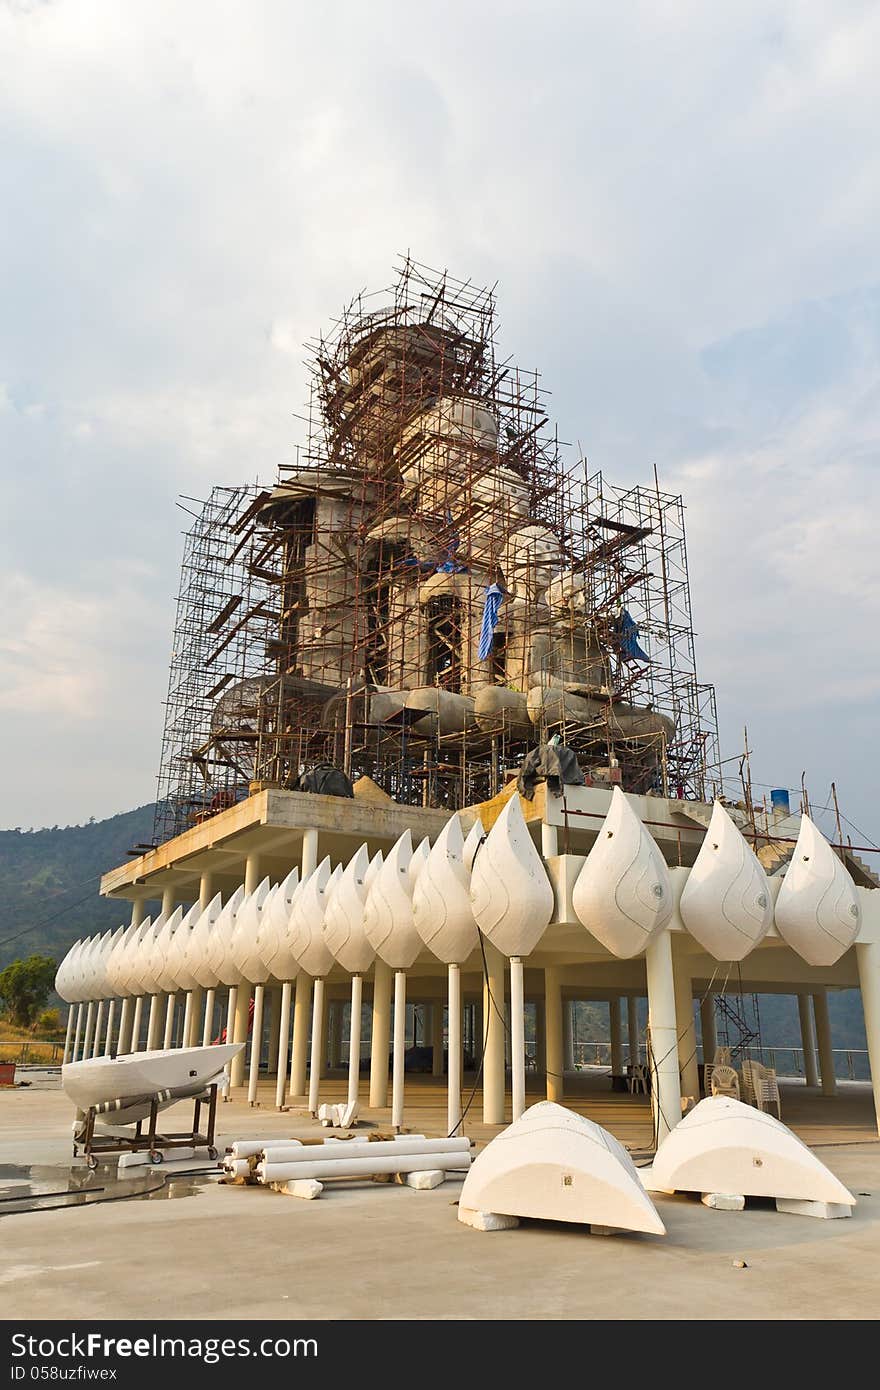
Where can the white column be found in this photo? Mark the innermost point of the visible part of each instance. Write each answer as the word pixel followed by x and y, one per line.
pixel 549 840
pixel 270 1009
pixel 169 901
pixel 187 1018
pixel 317 1045
pixel 823 1038
pixel 399 1046
pixel 99 1021
pixel 108 1040
pixel 153 1024
pixel 76 1036
pixel 665 1084
pixel 71 1010
pixel 517 1038
pixel 453 1035
pixel 632 1028
pixel 309 861
pixel 169 1020
pixel 437 1037
pixel 300 1048
pixel 553 1044
pixel 808 1040
pixel 493 1025
pixel 381 1033
pixel 868 958
pixel 617 1066
pixel 567 1035
pixel 707 1028
pixel 136 1023
pixel 354 1039
pixel 256 1041
pixel 89 1031
pixel 231 1009
pixel 684 1022
pixel 208 1025
pixel 283 1044
pixel 124 1042
pixel 243 1000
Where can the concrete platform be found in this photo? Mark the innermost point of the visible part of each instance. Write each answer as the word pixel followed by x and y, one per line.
pixel 368 1251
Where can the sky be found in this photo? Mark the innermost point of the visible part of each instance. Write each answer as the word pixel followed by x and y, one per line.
pixel 679 203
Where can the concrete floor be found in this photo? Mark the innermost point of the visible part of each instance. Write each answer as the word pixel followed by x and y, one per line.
pixel 368 1251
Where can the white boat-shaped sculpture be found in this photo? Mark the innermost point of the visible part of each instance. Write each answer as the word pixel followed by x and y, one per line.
pixel 726 904
pixel 727 1147
pixel 622 894
pixel 442 911
pixel 122 1084
pixel 246 944
pixel 65 985
pixel 199 946
pixel 276 953
pixel 511 896
pixel 305 933
pixel 554 1165
pixel 817 911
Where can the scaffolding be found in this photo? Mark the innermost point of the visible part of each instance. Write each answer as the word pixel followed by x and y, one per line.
pixel 428 590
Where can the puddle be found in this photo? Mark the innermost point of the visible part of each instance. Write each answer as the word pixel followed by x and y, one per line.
pixel 43 1187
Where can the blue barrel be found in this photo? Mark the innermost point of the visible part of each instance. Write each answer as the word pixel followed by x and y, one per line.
pixel 779 801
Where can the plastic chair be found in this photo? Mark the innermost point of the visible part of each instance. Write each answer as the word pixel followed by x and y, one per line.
pixel 638 1078
pixel 725 1081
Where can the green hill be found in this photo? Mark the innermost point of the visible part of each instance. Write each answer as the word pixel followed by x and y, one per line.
pixel 49 881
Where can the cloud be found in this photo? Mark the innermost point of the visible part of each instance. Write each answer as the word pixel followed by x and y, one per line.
pixel 679 203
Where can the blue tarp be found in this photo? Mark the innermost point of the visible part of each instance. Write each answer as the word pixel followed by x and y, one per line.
pixel 494 595
pixel 628 637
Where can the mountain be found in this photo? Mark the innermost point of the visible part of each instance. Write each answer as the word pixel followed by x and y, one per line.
pixel 49 881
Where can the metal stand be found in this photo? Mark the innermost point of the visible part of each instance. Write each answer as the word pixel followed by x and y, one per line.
pixel 152 1143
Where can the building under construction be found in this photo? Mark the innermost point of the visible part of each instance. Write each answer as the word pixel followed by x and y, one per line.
pixel 430 591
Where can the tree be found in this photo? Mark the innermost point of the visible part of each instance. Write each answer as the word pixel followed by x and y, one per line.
pixel 25 985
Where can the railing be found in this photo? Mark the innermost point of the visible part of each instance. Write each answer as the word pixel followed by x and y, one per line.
pixel 850 1063
pixel 32 1052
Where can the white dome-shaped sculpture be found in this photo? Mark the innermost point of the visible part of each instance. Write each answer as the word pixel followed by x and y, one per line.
pixel 511 895
pixel 132 960
pixel 276 956
pixel 555 1165
pixel 344 930
pixel 177 967
pixel 388 913
pixel 622 894
pixel 146 965
pixel 199 948
pixel 220 945
pixel 442 911
pixel 163 953
pixel 306 937
pixel 109 943
pixel 94 972
pixel 117 969
pixel 726 1146
pixel 64 976
pixel 726 903
pixel 246 938
pixel 817 911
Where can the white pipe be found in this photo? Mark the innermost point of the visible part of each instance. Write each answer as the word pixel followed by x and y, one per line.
pixel 300 1047
pixel 339 1151
pixel 354 1039
pixel 283 1044
pixel 208 1027
pixel 89 1030
pixel 517 1038
pixel 99 1023
pixel 123 1045
pixel 169 1021
pixel 281 1148
pixel 70 1013
pixel 317 1045
pixel 76 1036
pixel 453 1038
pixel 136 1023
pixel 108 1041
pixel 153 1023
pixel 362 1167
pixel 256 1044
pixel 399 1047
